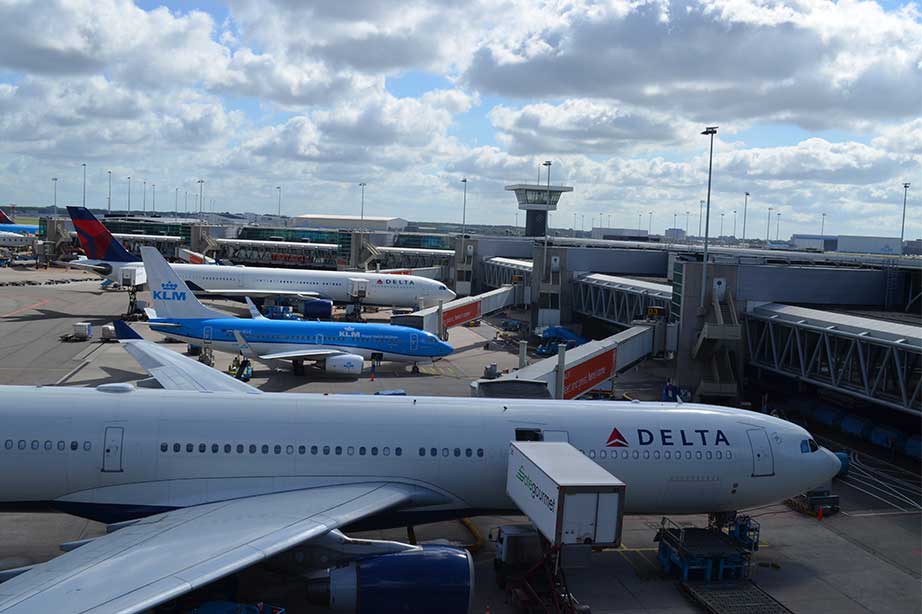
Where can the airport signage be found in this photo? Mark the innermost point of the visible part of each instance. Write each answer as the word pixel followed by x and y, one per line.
pixel 585 376
pixel 459 315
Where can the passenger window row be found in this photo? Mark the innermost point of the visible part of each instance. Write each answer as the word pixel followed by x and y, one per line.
pixel 278 449
pixel 48 445
pixel 657 455
pixel 456 452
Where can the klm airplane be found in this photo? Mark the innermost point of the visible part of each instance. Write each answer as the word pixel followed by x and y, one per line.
pixel 338 348
pixel 8 225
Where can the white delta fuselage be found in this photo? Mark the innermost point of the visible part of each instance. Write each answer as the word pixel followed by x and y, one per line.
pixel 125 453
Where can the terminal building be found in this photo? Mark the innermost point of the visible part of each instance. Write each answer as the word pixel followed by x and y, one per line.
pixel 351 222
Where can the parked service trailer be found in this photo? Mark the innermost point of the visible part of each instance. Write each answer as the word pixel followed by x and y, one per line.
pixel 568 497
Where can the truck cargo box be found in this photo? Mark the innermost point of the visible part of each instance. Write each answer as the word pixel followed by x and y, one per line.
pixel 568 497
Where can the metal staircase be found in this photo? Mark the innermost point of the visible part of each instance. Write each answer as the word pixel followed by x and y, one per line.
pixel 716 344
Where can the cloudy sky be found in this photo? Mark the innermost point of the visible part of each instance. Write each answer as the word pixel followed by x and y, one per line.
pixel 818 104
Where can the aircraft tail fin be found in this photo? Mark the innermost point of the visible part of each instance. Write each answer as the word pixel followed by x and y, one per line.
pixel 171 296
pixel 95 239
pixel 4 218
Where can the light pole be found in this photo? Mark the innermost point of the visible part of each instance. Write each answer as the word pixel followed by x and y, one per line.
pixel 84 184
pixel 639 221
pixel 547 219
pixel 463 217
pixel 768 229
pixel 129 193
pixel 54 187
pixel 686 225
pixel 582 221
pixel 721 233
pixel 153 198
pixel 700 215
pixel 650 224
pixel 109 199
pixel 675 224
pixel 363 184
pixel 176 203
pixel 278 189
pixel 778 226
pixel 201 188
pixel 734 224
pixel 823 225
pixel 709 131
pixel 185 204
pixel 609 220
pixel 745 205
pixel 903 227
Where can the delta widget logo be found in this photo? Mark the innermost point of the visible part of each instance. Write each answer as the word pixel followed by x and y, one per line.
pixel 616 439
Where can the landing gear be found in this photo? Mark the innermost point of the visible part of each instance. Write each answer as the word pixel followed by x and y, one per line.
pixel 297 367
pixel 415 369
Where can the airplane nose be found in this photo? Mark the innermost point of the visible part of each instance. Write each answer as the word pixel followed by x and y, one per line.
pixel 450 295
pixel 834 464
pixel 445 348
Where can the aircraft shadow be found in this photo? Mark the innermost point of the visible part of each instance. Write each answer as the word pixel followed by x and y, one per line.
pixel 113 376
pixel 50 314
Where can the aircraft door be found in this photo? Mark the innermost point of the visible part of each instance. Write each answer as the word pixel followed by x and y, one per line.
pixel 207 335
pixel 557 436
pixel 414 342
pixel 763 462
pixel 112 451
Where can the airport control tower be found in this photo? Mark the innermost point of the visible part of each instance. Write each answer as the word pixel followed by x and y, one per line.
pixel 537 201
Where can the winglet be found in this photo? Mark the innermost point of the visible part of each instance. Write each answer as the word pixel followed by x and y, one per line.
pixel 244 345
pixel 124 332
pixel 254 312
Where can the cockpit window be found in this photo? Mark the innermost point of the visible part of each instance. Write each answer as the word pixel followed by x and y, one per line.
pixel 808 445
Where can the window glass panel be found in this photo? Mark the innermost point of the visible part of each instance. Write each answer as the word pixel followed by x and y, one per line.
pixel 289 449
pixel 302 450
pixel 202 447
pixel 48 444
pixel 468 452
pixel 339 450
pixel 87 446
pixel 189 448
pixel 326 450
pixel 398 451
pixel 314 450
pixel 433 451
pixel 164 447
pixel 265 448
pixel 215 448
pixel 386 451
pixel 422 451
pixel 479 452
pixel 35 444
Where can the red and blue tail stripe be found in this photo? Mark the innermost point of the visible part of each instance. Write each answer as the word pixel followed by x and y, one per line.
pixel 95 239
pixel 5 219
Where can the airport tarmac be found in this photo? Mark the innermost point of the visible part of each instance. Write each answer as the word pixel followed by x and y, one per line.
pixel 867 558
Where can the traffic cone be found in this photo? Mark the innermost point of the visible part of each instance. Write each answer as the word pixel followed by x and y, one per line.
pixel 819 513
pixel 487 611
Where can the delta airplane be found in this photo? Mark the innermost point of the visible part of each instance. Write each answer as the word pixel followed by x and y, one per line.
pixel 209 476
pixel 107 257
pixel 8 225
pixel 338 348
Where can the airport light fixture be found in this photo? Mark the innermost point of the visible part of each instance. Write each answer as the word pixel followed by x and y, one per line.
pixel 176 202
pixel 109 199
pixel 903 226
pixel 709 131
pixel 153 197
pixel 84 183
pixel 201 189
pixel 278 189
pixel 144 197
pixel 54 187
pixel 734 224
pixel 362 213
pixel 823 225
pixel 745 206
pixel 778 226
pixel 768 229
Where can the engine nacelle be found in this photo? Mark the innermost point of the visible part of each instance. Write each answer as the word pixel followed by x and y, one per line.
pixel 345 364
pixel 428 579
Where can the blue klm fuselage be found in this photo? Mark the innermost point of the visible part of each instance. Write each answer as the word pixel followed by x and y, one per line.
pixel 371 341
pixel 19 229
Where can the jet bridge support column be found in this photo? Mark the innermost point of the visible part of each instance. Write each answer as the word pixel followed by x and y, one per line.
pixel 561 370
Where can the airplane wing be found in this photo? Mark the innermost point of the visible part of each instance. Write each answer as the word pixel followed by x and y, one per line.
pixel 174 371
pixel 305 354
pixel 76 264
pixel 167 555
pixel 262 293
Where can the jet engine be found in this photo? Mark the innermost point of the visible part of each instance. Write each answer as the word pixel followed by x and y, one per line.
pixel 317 308
pixel 345 364
pixel 428 579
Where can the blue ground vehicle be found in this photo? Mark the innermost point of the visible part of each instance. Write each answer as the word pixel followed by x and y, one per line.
pixel 554 336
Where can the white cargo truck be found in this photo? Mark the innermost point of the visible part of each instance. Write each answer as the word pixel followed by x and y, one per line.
pixel 569 498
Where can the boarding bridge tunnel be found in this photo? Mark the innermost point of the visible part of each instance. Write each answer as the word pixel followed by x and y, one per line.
pixel 869 359
pixel 619 300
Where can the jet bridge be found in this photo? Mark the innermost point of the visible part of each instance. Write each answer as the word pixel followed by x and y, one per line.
pixel 500 271
pixel 873 360
pixel 619 300
pixel 437 320
pixel 573 373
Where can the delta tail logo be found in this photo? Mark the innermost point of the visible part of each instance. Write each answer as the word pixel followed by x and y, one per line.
pixel 168 292
pixel 616 439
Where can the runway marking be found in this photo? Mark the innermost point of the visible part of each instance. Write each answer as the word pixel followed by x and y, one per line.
pixel 41 303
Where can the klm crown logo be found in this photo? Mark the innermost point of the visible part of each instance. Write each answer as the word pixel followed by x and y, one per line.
pixel 168 292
